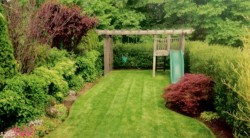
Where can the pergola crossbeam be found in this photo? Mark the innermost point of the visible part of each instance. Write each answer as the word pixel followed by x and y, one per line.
pixel 143 32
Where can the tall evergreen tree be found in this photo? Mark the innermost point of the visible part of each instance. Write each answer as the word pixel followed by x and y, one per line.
pixel 7 60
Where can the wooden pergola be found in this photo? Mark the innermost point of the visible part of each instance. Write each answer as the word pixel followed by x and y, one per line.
pixel 108 41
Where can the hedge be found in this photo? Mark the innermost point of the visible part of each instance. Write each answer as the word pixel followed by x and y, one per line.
pixel 229 67
pixel 139 56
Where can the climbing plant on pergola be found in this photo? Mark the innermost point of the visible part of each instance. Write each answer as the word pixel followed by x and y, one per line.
pixel 108 41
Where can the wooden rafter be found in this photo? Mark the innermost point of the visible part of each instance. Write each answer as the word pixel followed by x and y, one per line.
pixel 143 32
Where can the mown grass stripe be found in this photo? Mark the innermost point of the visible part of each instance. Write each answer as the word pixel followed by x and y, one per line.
pixel 112 119
pixel 128 104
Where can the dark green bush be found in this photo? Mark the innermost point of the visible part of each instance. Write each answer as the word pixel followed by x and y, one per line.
pixel 75 82
pixel 229 68
pixel 7 62
pixel 32 87
pixel 13 108
pixel 87 65
pixel 58 87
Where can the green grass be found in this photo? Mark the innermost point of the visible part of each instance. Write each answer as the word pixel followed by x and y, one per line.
pixel 128 104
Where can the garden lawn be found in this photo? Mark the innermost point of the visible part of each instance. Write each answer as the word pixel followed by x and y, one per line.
pixel 128 103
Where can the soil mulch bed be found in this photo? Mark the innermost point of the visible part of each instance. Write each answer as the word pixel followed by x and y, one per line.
pixel 70 99
pixel 219 127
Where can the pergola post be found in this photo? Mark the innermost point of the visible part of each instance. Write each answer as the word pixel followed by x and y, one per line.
pixel 154 56
pixel 182 42
pixel 169 42
pixel 108 54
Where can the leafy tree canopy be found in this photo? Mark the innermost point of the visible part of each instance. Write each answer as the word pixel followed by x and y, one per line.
pixel 216 21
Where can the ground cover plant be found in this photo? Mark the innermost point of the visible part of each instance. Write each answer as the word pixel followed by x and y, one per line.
pixel 127 103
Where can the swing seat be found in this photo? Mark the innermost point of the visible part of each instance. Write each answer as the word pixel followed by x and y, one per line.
pixel 161 52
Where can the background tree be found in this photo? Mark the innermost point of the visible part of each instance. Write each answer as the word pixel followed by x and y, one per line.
pixel 216 21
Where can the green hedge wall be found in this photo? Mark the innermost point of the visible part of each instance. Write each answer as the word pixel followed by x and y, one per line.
pixel 139 55
pixel 229 67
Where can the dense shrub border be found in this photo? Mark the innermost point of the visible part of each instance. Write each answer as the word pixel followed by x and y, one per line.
pixel 229 68
pixel 26 97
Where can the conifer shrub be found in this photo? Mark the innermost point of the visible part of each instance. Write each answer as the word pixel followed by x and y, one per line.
pixel 7 60
pixel 191 95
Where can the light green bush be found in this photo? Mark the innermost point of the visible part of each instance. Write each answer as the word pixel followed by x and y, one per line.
pixel 58 87
pixel 209 116
pixel 51 57
pixel 61 112
pixel 32 88
pixel 65 68
pixel 229 67
pixel 24 98
pixel 13 108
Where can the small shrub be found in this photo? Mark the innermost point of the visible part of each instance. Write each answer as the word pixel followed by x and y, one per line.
pixel 86 66
pixel 13 108
pixel 75 82
pixel 19 99
pixel 65 68
pixel 52 57
pixel 209 116
pixel 32 88
pixel 191 95
pixel 48 125
pixel 61 112
pixel 58 87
